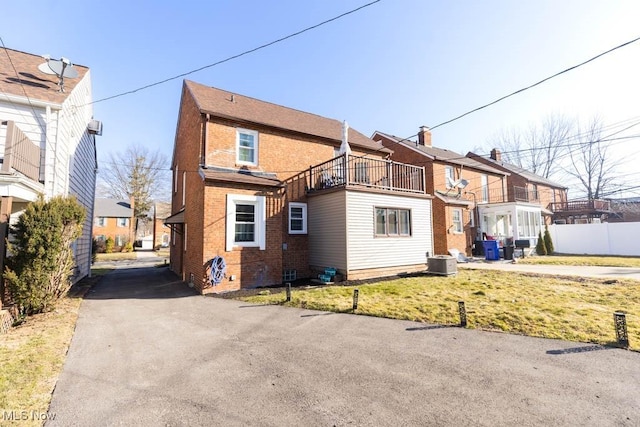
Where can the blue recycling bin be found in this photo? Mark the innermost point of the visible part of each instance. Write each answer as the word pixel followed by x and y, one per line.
pixel 491 251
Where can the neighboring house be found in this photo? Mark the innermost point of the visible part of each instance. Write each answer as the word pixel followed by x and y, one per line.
pixel 114 218
pixel 161 231
pixel 624 210
pixel 276 194
pixel 461 186
pixel 47 141
pixel 532 201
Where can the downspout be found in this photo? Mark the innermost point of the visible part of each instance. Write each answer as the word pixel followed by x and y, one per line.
pixel 95 177
pixel 203 143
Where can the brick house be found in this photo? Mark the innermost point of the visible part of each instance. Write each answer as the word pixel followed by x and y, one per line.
pixel 460 185
pixel 47 142
pixel 279 194
pixel 114 218
pixel 161 231
pixel 532 201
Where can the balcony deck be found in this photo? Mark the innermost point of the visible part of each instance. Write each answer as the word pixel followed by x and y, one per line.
pixel 349 170
pixel 581 207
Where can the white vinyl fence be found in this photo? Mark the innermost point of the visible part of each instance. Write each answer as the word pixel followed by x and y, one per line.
pixel 619 238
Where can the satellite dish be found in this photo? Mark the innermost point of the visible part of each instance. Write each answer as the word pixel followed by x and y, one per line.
pixel 462 183
pixel 63 68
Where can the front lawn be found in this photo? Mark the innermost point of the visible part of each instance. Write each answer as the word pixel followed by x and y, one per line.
pixel 573 309
pixel 599 261
pixel 116 256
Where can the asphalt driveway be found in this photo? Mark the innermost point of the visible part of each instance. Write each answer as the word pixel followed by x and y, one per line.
pixel 148 351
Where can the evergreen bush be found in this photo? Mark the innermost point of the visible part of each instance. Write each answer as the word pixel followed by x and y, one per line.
pixel 548 243
pixel 541 249
pixel 109 245
pixel 41 264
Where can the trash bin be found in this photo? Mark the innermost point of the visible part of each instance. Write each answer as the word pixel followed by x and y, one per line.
pixel 508 252
pixel 478 250
pixel 491 252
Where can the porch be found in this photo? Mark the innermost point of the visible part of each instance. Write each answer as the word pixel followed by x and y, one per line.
pixel 348 170
pixel 580 211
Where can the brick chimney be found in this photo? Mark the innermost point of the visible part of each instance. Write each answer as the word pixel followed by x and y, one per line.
pixel 496 155
pixel 424 136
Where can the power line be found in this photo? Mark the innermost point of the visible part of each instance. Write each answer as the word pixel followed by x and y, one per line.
pixel 246 52
pixel 535 84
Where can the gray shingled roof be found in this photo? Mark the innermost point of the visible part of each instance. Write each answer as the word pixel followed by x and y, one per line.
pixel 442 154
pixel 112 208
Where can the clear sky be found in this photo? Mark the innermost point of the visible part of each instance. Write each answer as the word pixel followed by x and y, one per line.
pixel 393 66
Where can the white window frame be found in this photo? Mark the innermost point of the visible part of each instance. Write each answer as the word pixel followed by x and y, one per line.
pixel 120 220
pixel 260 221
pixel 303 206
pixel 458 226
pixel 484 183
pixel 175 180
pixel 101 221
pixel 398 212
pixel 449 173
pixel 240 131
pixel 184 188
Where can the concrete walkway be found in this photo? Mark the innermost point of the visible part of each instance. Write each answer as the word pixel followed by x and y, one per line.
pixel 147 351
pixel 558 270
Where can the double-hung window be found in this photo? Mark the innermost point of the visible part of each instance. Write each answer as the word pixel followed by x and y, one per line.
pixel 457 220
pixel 246 147
pixel 245 221
pixel 297 218
pixel 449 180
pixel 101 221
pixel 392 222
pixel 123 222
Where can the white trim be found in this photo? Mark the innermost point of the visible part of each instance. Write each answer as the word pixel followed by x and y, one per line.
pixel 460 221
pixel 255 146
pixel 260 221
pixel 184 188
pixel 304 217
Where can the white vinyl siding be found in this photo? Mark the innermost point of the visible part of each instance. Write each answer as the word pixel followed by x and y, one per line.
pixel 327 230
pixel 368 251
pixel 342 231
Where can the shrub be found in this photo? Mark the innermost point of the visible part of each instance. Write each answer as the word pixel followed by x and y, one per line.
pixel 128 247
pixel 109 245
pixel 548 243
pixel 99 245
pixel 541 249
pixel 41 264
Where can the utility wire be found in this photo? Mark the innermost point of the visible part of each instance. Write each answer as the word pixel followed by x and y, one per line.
pixel 535 84
pixel 246 52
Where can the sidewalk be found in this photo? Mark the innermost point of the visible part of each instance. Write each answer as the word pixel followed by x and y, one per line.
pixel 556 270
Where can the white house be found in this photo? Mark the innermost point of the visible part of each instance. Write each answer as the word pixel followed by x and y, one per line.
pixel 47 139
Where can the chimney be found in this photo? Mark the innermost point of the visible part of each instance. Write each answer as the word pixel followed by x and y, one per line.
pixel 424 136
pixel 496 155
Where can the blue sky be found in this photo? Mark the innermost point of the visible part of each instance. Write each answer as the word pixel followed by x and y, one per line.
pixel 393 66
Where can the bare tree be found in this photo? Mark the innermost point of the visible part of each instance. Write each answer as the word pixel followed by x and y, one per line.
pixel 137 172
pixel 537 148
pixel 591 163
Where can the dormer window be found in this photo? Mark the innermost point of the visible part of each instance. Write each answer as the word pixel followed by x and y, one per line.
pixel 246 147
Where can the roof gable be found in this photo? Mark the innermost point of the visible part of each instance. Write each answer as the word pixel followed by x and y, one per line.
pixel 30 81
pixel 440 154
pixel 229 105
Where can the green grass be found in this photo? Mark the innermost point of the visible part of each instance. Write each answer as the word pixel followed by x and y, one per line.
pixel 33 354
pixel 600 261
pixel 540 306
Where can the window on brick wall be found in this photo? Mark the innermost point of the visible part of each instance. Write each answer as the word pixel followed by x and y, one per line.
pixel 246 221
pixel 123 222
pixel 449 179
pixel 484 183
pixel 101 221
pixel 246 147
pixel 392 222
pixel 457 220
pixel 297 218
